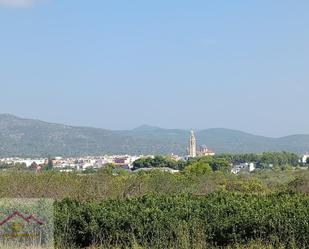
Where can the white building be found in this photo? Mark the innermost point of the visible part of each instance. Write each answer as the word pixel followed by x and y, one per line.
pixel 305 158
pixel 243 167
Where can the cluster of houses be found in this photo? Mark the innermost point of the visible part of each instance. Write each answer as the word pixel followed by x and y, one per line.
pixel 250 167
pixel 71 164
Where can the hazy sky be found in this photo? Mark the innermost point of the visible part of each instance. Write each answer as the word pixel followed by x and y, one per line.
pixel 175 64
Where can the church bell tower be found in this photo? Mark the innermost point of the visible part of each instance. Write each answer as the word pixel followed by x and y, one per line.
pixel 192 145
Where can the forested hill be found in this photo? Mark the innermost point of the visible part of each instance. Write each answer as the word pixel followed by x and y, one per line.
pixel 27 137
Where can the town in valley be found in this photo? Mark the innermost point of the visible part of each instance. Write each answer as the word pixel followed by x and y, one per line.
pixel 125 162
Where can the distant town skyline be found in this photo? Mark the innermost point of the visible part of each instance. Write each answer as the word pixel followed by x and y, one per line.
pixel 171 64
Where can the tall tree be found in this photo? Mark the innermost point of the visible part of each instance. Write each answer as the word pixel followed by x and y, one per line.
pixel 50 165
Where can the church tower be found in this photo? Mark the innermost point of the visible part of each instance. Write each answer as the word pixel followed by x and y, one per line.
pixel 192 145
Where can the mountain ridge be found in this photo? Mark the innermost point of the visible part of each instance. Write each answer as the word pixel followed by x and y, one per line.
pixel 31 137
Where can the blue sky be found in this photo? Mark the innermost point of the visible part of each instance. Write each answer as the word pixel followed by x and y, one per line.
pixel 175 64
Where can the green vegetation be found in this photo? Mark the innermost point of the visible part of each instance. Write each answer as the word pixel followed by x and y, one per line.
pixel 49 165
pixel 10 167
pixel 198 168
pixel 162 210
pixel 158 162
pixel 263 160
pixel 184 221
pixel 215 164
pixel 202 206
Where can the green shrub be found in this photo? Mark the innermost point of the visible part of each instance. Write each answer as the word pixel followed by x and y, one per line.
pixel 198 169
pixel 152 221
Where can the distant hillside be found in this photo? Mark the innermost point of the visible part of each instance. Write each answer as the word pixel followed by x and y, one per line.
pixel 27 137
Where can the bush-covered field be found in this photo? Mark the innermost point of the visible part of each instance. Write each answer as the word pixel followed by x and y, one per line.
pixel 208 208
pixel 104 185
pixel 186 221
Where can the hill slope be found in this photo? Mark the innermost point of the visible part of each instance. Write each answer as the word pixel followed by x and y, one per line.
pixel 27 137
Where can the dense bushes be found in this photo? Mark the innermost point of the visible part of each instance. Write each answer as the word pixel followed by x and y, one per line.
pixel 157 162
pixel 104 185
pixel 216 164
pixel 186 221
pixel 198 168
pixel 162 210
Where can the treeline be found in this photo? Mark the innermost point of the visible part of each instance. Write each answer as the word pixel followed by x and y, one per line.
pixel 214 164
pixel 23 167
pixel 185 221
pixel 16 166
pixel 158 162
pixel 222 162
pixel 263 160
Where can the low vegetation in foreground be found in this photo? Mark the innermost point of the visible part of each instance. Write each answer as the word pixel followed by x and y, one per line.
pixel 202 206
pixel 220 219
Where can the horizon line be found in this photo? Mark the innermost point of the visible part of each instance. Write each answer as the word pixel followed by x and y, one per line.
pixel 149 126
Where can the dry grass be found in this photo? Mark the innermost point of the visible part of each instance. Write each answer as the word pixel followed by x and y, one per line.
pixel 252 245
pixel 22 247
